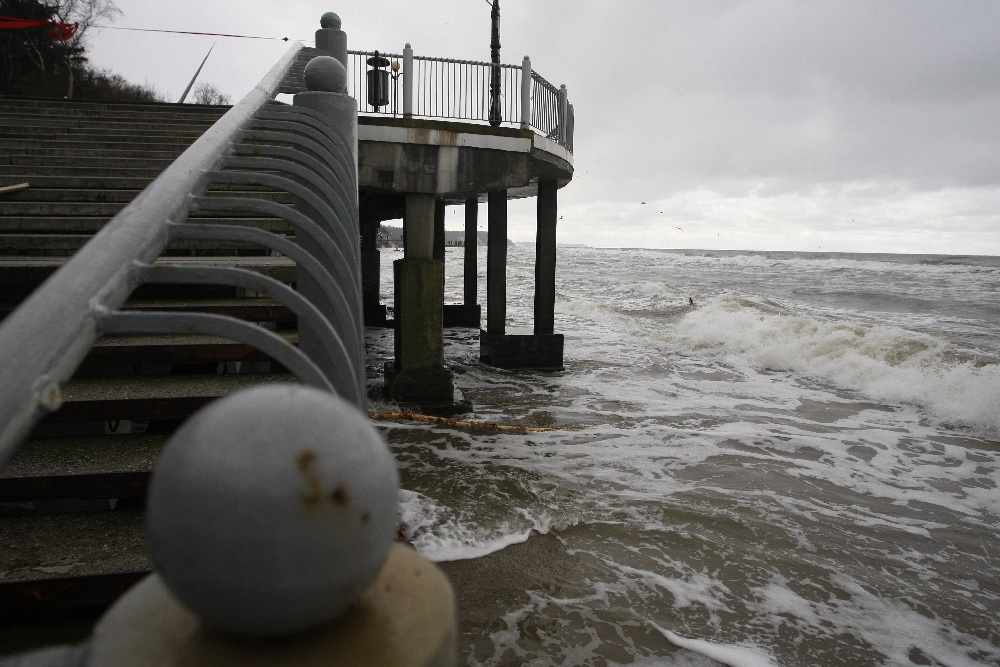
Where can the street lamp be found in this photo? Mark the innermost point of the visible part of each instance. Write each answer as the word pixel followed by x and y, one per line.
pixel 395 83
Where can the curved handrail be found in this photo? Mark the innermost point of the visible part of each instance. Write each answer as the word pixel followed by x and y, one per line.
pixel 47 337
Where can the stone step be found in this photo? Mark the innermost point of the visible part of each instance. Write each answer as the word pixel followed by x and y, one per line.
pixel 111 466
pixel 68 224
pixel 148 126
pixel 9 172
pixel 40 244
pixel 17 270
pixel 110 114
pixel 49 133
pixel 91 179
pixel 161 142
pixel 97 195
pixel 175 349
pixel 253 309
pixel 106 208
pixel 11 116
pixel 53 107
pixel 23 161
pixel 68 565
pixel 57 103
pixel 77 180
pixel 151 152
pixel 153 397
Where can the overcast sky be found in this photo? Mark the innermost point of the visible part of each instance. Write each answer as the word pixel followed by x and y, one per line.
pixel 842 125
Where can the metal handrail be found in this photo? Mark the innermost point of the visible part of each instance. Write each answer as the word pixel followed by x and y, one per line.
pixel 47 337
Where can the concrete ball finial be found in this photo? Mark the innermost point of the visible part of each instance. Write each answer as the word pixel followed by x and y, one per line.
pixel 272 510
pixel 325 74
pixel 330 20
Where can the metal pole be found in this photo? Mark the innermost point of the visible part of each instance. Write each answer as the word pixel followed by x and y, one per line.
pixel 197 72
pixel 495 116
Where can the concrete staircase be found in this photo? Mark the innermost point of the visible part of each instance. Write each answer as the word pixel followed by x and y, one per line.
pixel 71 525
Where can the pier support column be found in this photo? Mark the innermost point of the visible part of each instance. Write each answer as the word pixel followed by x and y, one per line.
pixel 371 264
pixel 470 280
pixel 545 258
pixel 470 314
pixel 418 373
pixel 439 236
pixel 543 348
pixel 496 264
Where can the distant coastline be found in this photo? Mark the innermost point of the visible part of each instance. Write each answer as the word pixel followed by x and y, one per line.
pixel 392 237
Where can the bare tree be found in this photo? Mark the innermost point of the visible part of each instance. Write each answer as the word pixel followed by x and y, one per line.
pixel 209 93
pixel 86 14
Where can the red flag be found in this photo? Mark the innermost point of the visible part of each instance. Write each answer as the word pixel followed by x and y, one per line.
pixel 59 32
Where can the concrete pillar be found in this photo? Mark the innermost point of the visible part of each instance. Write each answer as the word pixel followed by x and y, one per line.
pixel 543 348
pixel 439 235
pixel 496 264
pixel 331 38
pixel 418 227
pixel 471 286
pixel 545 258
pixel 418 373
pixel 371 264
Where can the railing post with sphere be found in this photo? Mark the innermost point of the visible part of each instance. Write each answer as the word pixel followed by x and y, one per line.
pixel 407 81
pixel 331 38
pixel 526 93
pixel 563 113
pixel 271 518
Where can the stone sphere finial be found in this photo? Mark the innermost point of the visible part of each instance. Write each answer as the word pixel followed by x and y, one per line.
pixel 272 510
pixel 325 74
pixel 330 20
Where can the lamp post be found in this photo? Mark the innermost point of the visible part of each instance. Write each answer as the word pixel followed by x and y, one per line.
pixel 495 59
pixel 395 84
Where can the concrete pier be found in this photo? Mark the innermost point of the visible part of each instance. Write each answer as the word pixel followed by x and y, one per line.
pixel 496 264
pixel 544 347
pixel 418 373
pixel 545 259
pixel 447 163
pixel 371 269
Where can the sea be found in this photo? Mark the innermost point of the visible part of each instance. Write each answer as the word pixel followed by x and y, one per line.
pixel 753 459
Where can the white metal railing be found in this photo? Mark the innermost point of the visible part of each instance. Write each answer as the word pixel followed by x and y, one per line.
pixel 402 84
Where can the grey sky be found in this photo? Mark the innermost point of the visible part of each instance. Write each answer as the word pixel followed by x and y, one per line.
pixel 750 124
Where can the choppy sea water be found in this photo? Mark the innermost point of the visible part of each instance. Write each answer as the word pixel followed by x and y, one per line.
pixel 801 469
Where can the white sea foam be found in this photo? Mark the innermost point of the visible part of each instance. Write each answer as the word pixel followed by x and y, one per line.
pixel 882 362
pixel 727 654
pixel 889 626
pixel 440 534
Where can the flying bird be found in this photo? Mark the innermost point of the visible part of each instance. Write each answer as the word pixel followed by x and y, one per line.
pixel 680 228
